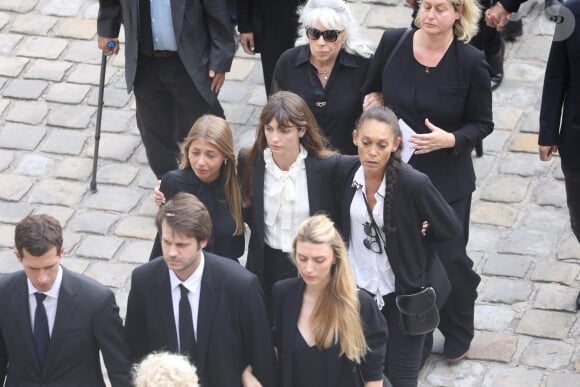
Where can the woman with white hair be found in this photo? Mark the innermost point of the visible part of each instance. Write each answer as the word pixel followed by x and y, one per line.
pixel 327 69
pixel 164 369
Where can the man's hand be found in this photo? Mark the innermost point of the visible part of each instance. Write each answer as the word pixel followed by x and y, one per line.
pixel 429 142
pixel 102 42
pixel 247 42
pixel 497 16
pixel 217 80
pixel 547 151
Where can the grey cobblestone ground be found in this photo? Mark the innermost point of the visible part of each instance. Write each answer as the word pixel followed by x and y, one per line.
pixel 527 326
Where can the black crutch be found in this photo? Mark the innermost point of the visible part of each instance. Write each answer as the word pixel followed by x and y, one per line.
pixel 110 46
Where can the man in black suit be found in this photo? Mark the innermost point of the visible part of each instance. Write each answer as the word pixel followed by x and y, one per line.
pixel 54 322
pixel 196 303
pixel 176 55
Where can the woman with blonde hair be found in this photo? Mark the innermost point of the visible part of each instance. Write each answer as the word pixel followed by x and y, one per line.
pixel 208 171
pixel 324 328
pixel 286 176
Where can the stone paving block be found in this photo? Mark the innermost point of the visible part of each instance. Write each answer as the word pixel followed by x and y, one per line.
pixel 115 146
pixel 530 122
pixel 4 19
pixel 496 141
pixel 3 104
pixel 560 272
pixel 34 164
pixel 148 180
pixel 534 48
pixel 66 116
pixel 49 70
pixel 67 93
pixel 30 24
pixel 148 207
pixel 389 17
pixel 548 354
pixel 569 249
pixel 75 264
pixel 21 6
pixel 494 214
pixel 89 74
pixel 141 156
pixel 112 97
pixel 74 168
pixel 64 142
pixel 505 189
pixel 57 192
pixel 233 92
pixel 493 317
pixel 7 235
pixel 113 199
pixel 6 158
pixel 482 239
pixel 521 97
pixel 76 29
pixel 464 373
pixel 483 166
pixel 516 70
pixel 116 121
pixel 117 174
pixel 41 47
pixel 12 67
pixel 8 42
pixel 137 227
pixel 95 222
pixel 359 11
pixel 523 165
pixel 62 8
pixel 512 377
pixel 507 265
pixel 113 275
pixel 542 219
pixel 237 113
pixel 71 240
pixel 60 213
pixel 25 88
pixel 492 346
pixel 545 324
pixel 258 97
pixel 556 297
pixel 8 262
pixel 81 51
pixel 557 170
pixel 99 247
pixel 240 70
pixel 561 380
pixel 506 291
pixel 27 112
pixel 14 212
pixel 529 242
pixel 525 142
pixel 19 136
pixel 14 187
pixel 136 252
pixel 551 193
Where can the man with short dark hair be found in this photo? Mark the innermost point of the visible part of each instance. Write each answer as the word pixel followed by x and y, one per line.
pixel 199 304
pixel 54 322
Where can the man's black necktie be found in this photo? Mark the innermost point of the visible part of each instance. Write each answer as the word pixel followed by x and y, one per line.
pixel 188 346
pixel 41 334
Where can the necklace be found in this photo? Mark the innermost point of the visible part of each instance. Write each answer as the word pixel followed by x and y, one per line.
pixel 324 75
pixel 426 69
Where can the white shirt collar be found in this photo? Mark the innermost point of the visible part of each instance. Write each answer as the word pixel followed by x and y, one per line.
pixel 54 290
pixel 193 282
pixel 358 182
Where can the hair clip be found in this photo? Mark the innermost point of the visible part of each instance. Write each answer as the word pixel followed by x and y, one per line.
pixel 170 214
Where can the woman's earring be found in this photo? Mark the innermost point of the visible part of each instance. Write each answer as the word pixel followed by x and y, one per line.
pixel 226 162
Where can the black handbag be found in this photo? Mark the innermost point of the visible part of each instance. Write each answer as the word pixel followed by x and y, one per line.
pixel 418 313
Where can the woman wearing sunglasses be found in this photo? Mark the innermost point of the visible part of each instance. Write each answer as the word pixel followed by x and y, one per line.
pixel 383 203
pixel 328 69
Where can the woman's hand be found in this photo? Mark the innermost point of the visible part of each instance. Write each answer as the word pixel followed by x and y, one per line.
pixel 372 100
pixel 158 196
pixel 248 378
pixel 429 142
pixel 424 228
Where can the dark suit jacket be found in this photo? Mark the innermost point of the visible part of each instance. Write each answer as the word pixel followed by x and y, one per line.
pixel 560 111
pixel 87 321
pixel 416 200
pixel 232 328
pixel 203 33
pixel 319 176
pixel 455 96
pixel 341 371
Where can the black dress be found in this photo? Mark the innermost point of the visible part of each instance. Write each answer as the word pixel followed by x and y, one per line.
pixel 222 240
pixel 309 364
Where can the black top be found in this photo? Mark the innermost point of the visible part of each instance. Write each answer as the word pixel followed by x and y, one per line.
pixel 222 240
pixel 308 363
pixel 336 107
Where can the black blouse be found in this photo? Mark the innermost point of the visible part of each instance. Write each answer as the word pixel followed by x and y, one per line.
pixel 308 363
pixel 336 107
pixel 222 240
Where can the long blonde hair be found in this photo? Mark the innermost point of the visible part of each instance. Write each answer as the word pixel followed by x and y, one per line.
pixel 216 131
pixel 336 314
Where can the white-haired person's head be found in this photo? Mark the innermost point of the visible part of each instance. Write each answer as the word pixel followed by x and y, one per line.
pixel 164 369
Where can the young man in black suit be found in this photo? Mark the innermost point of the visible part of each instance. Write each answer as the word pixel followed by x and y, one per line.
pixel 199 304
pixel 54 322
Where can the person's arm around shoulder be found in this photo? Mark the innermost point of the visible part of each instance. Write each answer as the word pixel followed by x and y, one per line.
pixel 108 330
pixel 376 335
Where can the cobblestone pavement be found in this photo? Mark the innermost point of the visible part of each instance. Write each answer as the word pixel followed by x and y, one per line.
pixel 527 326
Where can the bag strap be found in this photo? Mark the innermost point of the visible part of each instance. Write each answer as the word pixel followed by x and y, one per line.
pixel 398 45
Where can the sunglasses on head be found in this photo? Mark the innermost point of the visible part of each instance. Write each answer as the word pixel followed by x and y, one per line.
pixel 328 35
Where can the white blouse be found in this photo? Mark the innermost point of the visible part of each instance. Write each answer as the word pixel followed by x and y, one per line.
pixel 372 271
pixel 285 201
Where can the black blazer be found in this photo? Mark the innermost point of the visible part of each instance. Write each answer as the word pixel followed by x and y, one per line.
pixel 87 321
pixel 416 200
pixel 560 111
pixel 455 96
pixel 319 176
pixel 342 372
pixel 232 328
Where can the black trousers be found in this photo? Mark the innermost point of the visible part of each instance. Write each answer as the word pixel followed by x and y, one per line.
pixel 456 323
pixel 572 182
pixel 277 266
pixel 168 104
